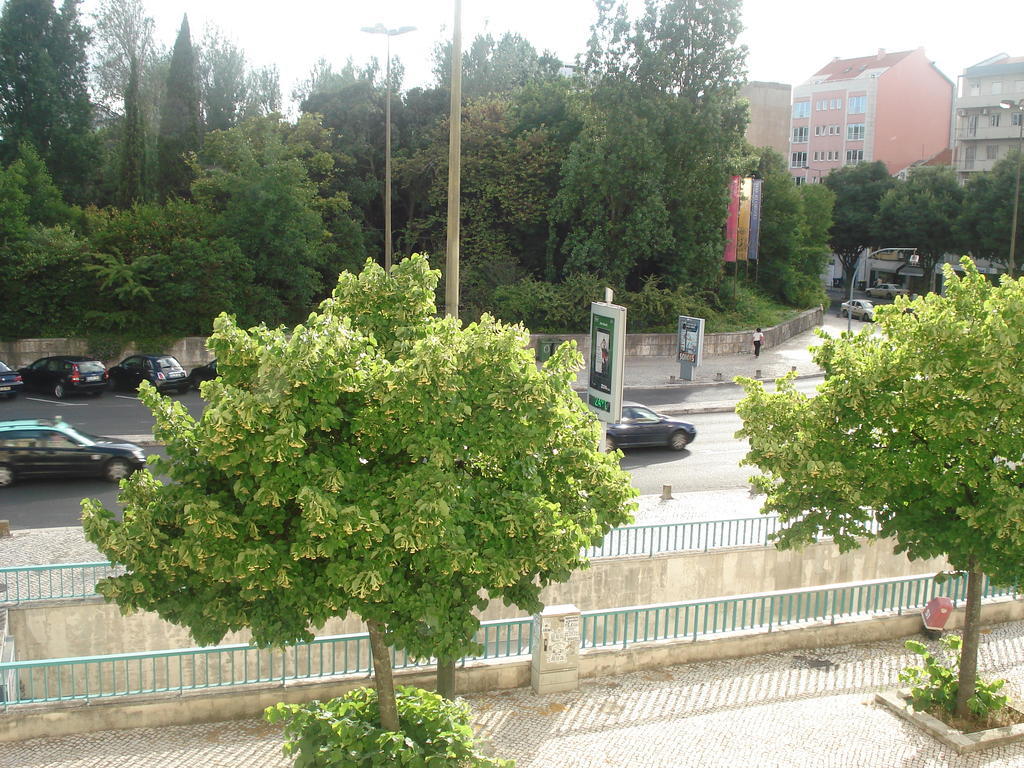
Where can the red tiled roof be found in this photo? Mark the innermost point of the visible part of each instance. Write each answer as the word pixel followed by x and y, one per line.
pixel 847 69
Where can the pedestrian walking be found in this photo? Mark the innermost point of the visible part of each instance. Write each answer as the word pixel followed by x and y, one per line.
pixel 758 340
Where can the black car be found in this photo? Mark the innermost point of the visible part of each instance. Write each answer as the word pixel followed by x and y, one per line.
pixel 162 371
pixel 642 427
pixel 45 448
pixel 62 375
pixel 10 381
pixel 203 373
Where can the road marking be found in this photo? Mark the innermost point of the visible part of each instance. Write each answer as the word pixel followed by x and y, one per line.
pixel 55 402
pixel 127 397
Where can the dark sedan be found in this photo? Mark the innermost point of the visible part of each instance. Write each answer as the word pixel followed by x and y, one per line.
pixel 53 448
pixel 642 427
pixel 10 381
pixel 203 373
pixel 62 375
pixel 162 371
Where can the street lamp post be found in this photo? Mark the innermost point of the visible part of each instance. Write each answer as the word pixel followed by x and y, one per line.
pixel 380 29
pixel 451 272
pixel 1019 106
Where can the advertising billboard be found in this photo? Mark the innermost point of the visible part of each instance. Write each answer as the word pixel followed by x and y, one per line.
pixel 607 358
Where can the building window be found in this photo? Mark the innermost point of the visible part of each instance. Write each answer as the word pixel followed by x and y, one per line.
pixel 975 89
pixel 801 109
pixel 857 105
pixel 993 120
pixel 854 156
pixel 991 151
pixel 799 160
pixel 997 87
pixel 1016 117
pixel 798 180
pixel 835 104
pixel 972 125
pixel 969 157
pixel 855 132
pixel 800 134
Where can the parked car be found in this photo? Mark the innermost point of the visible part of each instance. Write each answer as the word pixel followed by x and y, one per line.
pixel 886 291
pixel 162 371
pixel 62 375
pixel 53 448
pixel 858 308
pixel 10 381
pixel 640 426
pixel 203 373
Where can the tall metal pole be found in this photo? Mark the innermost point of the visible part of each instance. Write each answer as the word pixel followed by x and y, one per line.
pixel 451 275
pixel 1016 193
pixel 387 160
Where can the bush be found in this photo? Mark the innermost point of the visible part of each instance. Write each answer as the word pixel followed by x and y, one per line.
pixel 345 732
pixel 934 684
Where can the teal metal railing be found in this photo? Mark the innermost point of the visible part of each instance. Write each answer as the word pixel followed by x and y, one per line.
pixel 768 611
pixel 27 583
pixel 175 671
pixel 189 669
pixel 30 583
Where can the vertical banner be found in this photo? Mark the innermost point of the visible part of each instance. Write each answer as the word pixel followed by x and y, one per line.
pixel 733 219
pixel 743 222
pixel 607 358
pixel 691 340
pixel 755 218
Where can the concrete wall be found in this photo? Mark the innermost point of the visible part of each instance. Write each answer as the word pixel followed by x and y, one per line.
pixel 191 351
pixel 249 701
pixel 92 627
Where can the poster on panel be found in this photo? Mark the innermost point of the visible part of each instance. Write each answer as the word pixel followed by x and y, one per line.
pixel 607 358
pixel 691 340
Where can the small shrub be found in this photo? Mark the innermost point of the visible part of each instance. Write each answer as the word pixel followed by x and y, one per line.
pixel 345 732
pixel 934 684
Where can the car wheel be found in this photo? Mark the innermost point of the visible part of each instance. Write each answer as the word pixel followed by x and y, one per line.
pixel 6 475
pixel 58 391
pixel 117 469
pixel 609 444
pixel 678 441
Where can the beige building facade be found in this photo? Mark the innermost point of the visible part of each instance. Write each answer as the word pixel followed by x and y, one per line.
pixel 985 131
pixel 769 115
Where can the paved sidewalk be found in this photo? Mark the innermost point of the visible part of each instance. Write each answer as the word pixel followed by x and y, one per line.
pixel 809 708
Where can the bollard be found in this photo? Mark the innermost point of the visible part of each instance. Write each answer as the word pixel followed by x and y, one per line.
pixel 718 376
pixel 5 529
pixel 666 492
pixel 792 368
pixel 757 374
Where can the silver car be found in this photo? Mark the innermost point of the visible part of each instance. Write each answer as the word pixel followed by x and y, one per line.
pixel 858 308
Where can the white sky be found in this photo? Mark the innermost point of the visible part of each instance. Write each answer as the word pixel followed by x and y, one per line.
pixel 788 40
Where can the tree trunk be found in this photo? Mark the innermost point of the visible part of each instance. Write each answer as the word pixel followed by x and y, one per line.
pixel 382 677
pixel 969 649
pixel 446 678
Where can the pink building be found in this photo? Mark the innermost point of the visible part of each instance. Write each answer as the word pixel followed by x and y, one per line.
pixel 893 107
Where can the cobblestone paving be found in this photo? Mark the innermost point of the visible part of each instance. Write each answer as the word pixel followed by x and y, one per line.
pixel 41 546
pixel 812 709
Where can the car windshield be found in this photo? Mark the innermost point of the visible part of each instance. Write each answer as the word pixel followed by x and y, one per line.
pixel 3 367
pixel 90 366
pixel 867 304
pixel 168 363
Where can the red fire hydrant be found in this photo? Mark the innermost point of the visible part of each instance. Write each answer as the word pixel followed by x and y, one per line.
pixel 935 615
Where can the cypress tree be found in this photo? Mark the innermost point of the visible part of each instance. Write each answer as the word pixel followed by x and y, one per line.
pixel 180 131
pixel 130 183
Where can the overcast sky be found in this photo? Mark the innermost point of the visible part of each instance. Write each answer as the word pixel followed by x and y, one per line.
pixel 787 40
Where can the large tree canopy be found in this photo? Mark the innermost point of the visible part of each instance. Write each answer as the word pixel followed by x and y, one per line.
pixel 916 430
pixel 376 459
pixel 859 190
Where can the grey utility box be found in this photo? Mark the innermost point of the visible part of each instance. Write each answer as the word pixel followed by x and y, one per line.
pixel 556 653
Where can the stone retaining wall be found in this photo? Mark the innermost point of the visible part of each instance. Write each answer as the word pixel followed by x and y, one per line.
pixel 191 350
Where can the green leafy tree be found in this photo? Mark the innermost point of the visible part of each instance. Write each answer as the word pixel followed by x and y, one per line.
pixel 263 200
pixel 859 190
pixel 644 186
pixel 986 216
pixel 180 126
pixel 916 430
pixel 231 91
pixel 922 213
pixel 44 97
pixel 45 204
pixel 377 459
pixel 489 67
